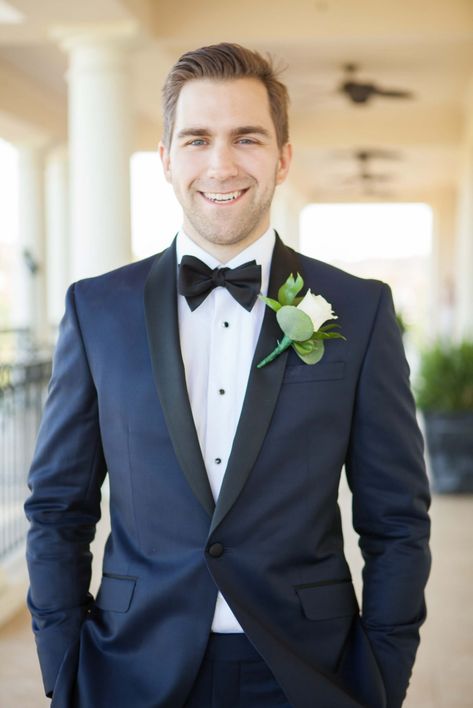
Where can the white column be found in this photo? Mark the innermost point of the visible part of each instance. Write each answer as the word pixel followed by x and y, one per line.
pixel 285 213
pixel 464 244
pixel 58 237
pixel 100 135
pixel 442 266
pixel 31 307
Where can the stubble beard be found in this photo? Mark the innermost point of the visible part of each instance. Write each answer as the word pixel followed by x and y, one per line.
pixel 232 231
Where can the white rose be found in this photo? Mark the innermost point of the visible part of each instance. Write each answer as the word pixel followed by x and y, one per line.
pixel 318 309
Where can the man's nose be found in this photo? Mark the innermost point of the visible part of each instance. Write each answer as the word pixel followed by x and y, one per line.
pixel 222 164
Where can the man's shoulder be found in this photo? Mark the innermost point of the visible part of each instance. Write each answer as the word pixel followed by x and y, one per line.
pixel 355 300
pixel 320 274
pixel 123 279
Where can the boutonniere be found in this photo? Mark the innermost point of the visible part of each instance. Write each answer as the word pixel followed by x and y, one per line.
pixel 302 322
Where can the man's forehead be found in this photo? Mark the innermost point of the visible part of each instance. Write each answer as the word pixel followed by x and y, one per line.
pixel 244 93
pixel 226 103
pixel 238 83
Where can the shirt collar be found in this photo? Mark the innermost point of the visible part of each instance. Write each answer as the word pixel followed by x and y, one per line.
pixel 260 250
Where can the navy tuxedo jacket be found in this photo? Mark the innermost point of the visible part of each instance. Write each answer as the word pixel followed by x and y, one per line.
pixel 118 404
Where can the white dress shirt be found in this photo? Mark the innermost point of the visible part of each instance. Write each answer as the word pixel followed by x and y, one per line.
pixel 218 342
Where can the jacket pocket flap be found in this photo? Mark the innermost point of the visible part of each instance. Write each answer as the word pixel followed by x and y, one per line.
pixel 115 593
pixel 320 602
pixel 322 371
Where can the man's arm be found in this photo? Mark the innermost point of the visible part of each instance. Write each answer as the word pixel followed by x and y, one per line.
pixel 386 473
pixel 65 479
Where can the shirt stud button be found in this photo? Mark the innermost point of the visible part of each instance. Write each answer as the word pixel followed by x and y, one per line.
pixel 218 460
pixel 221 391
pixel 226 324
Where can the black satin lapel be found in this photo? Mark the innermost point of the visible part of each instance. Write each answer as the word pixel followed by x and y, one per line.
pixel 261 393
pixel 163 338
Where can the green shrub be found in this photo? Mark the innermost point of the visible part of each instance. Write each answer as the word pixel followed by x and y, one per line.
pixel 445 381
pixel 402 324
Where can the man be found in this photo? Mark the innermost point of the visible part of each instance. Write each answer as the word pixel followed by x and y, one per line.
pixel 224 580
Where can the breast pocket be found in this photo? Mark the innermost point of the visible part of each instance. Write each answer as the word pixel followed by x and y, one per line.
pixel 323 371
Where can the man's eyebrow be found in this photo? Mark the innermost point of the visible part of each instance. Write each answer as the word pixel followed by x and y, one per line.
pixel 189 132
pixel 254 129
pixel 241 130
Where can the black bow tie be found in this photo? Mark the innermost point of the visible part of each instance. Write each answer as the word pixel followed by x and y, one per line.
pixel 196 280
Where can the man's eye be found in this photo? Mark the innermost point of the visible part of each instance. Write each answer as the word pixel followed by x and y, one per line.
pixel 247 141
pixel 197 141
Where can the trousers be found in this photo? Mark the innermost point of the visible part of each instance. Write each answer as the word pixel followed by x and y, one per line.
pixel 234 675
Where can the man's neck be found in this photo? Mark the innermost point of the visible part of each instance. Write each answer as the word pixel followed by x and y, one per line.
pixel 224 252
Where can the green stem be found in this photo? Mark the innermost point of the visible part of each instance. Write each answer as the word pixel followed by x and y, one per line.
pixel 284 344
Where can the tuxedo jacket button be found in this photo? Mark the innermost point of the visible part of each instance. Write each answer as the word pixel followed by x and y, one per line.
pixel 215 550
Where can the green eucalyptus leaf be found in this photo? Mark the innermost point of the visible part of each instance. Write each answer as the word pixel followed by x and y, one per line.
pixel 288 291
pixel 294 323
pixel 273 304
pixel 314 356
pixel 327 335
pixel 304 347
pixel 326 327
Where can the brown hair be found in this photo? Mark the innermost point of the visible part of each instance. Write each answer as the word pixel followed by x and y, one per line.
pixel 223 62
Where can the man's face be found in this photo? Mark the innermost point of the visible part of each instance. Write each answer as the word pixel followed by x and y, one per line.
pixel 224 162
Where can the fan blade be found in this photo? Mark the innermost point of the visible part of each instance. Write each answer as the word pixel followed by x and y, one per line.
pixel 367 178
pixel 372 177
pixel 392 93
pixel 380 154
pixel 364 156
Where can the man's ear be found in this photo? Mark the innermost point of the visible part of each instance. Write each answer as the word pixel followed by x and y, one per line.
pixel 165 160
pixel 285 157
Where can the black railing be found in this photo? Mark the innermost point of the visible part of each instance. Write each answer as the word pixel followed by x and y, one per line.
pixel 14 340
pixel 23 388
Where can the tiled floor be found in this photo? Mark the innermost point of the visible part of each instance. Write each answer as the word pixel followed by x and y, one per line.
pixel 443 675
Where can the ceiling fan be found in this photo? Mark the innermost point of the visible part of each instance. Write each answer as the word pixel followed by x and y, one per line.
pixel 365 176
pixel 360 93
pixel 365 179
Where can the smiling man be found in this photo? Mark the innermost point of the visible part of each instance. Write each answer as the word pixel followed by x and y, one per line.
pixel 225 583
pixel 224 162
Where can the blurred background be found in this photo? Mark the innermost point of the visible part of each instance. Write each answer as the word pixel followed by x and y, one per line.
pixel 381 122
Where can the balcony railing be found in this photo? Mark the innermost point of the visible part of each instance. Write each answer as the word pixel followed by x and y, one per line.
pixel 23 388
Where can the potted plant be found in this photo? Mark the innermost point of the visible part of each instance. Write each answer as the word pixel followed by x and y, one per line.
pixel 444 393
pixel 402 324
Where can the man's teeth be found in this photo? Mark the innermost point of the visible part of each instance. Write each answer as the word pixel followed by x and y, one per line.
pixel 219 197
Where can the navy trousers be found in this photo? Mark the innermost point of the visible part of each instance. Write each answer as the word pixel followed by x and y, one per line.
pixel 234 675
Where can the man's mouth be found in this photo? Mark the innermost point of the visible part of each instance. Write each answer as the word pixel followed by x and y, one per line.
pixel 223 197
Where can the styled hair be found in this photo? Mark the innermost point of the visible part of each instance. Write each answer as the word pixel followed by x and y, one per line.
pixel 226 61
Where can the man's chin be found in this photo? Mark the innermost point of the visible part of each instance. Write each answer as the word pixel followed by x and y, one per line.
pixel 226 239
pixel 218 233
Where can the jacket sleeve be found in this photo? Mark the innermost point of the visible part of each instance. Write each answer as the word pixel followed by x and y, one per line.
pixel 64 506
pixel 386 473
